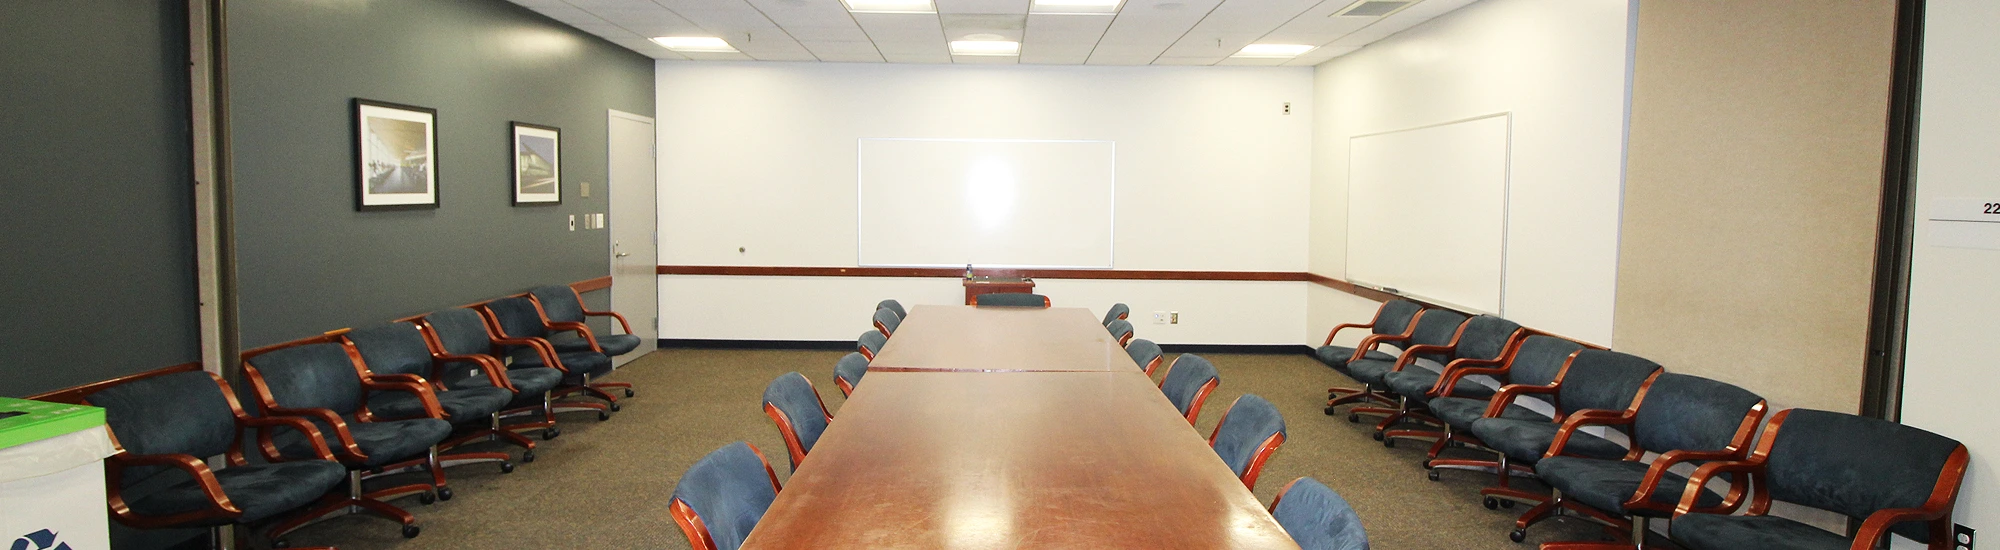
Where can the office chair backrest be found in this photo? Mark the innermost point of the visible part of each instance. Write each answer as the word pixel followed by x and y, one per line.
pixel 1117 311
pixel 310 376
pixel 893 305
pixel 848 372
pixel 1249 432
pixel 1317 518
pixel 727 491
pixel 871 343
pixel 1435 328
pixel 1484 337
pixel 1188 382
pixel 1603 379
pixel 1011 299
pixel 1692 413
pixel 517 318
pixel 1121 330
pixel 182 413
pixel 801 417
pixel 1855 465
pixel 1394 316
pixel 887 322
pixel 392 348
pixel 1146 353
pixel 1539 360
pixel 461 330
pixel 560 303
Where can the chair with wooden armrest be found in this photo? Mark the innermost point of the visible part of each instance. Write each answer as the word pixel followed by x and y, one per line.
pixel 563 310
pixel 893 305
pixel 321 380
pixel 1146 354
pixel 848 372
pixel 794 405
pixel 870 343
pixel 1116 312
pixel 1893 478
pixel 1188 382
pixel 723 496
pixel 1250 431
pixel 399 351
pixel 165 421
pixel 1121 330
pixel 886 322
pixel 1481 340
pixel 517 324
pixel 1595 382
pixel 1534 362
pixel 1394 319
pixel 1317 518
pixel 461 341
pixel 1011 299
pixel 1428 344
pixel 1685 419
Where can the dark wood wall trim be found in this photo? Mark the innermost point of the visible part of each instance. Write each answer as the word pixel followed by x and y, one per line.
pixel 1122 274
pixel 588 285
pixel 1350 288
pixel 76 394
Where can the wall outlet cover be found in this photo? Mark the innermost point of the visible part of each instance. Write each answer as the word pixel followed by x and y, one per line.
pixel 572 222
pixel 1159 317
pixel 1173 317
pixel 1961 537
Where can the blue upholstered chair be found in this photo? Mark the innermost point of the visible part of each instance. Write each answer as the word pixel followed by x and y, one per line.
pixel 721 498
pixel 321 380
pixel 1250 431
pixel 794 405
pixel 1117 311
pixel 1534 361
pixel 1121 330
pixel 461 341
pixel 1394 318
pixel 1593 380
pixel 518 325
pixel 562 308
pixel 1187 384
pixel 1892 477
pixel 848 372
pixel 1317 518
pixel 1685 419
pixel 870 343
pixel 398 352
pixel 886 321
pixel 1146 354
pixel 167 422
pixel 893 305
pixel 1011 299
pixel 1481 342
pixel 1434 329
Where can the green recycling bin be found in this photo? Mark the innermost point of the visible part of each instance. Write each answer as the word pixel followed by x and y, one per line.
pixel 52 476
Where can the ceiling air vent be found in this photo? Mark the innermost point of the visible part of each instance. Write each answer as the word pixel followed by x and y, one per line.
pixel 1373 8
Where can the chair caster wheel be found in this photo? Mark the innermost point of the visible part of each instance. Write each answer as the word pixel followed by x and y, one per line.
pixel 411 531
pixel 551 433
pixel 281 543
pixel 615 407
pixel 630 393
pixel 1507 504
pixel 1491 503
pixel 427 498
pixel 444 493
pixel 1390 443
pixel 1433 474
pixel 1355 418
pixel 603 415
pixel 1330 411
pixel 506 467
pixel 528 457
pixel 1518 535
pixel 1377 436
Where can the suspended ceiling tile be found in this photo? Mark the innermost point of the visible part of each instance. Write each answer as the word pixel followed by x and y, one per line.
pixel 1145 28
pixel 900 27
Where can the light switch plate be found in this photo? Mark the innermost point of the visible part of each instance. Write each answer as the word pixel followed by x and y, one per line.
pixel 583 188
pixel 572 222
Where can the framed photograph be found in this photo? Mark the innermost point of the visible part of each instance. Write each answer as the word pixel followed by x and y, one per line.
pixel 395 151
pixel 537 164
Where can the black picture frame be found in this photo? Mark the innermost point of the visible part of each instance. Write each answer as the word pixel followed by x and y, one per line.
pixel 536 151
pixel 387 136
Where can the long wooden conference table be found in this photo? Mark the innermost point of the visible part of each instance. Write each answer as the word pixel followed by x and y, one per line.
pixel 1011 428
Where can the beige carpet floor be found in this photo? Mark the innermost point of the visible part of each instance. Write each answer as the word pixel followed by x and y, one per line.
pixel 606 484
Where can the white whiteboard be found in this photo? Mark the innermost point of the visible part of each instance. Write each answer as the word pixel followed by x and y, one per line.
pixel 1000 203
pixel 1427 212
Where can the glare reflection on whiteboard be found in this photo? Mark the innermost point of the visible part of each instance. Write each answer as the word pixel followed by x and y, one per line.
pixel 989 193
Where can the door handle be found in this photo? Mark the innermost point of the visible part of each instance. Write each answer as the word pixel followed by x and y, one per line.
pixel 623 254
pixel 615 252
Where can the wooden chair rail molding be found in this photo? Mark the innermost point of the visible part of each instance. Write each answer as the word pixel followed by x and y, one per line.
pixel 1121 274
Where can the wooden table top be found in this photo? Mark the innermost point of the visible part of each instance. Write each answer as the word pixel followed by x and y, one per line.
pixel 1001 339
pixel 1013 460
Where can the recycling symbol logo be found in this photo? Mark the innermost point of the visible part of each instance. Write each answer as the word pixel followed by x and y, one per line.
pixel 39 540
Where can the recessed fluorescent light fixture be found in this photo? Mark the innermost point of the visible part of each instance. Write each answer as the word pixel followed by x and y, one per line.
pixel 1274 51
pixel 890 6
pixel 695 44
pixel 1373 8
pixel 985 47
pixel 1075 7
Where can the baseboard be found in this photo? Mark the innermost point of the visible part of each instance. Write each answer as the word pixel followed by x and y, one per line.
pixel 1279 349
pixel 695 343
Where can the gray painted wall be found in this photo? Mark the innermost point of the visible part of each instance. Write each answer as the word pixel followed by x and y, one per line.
pixel 308 262
pixel 98 210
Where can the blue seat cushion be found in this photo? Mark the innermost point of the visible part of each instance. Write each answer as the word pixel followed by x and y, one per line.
pixel 384 442
pixel 1460 412
pixel 1337 356
pixel 1719 532
pixel 1607 484
pixel 1526 440
pixel 531 382
pixel 613 344
pixel 579 363
pixel 259 490
pixel 1370 371
pixel 463 406
pixel 1416 384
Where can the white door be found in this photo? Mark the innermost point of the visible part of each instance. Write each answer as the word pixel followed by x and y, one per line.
pixel 635 283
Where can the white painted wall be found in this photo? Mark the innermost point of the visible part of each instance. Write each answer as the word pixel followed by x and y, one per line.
pixel 1561 69
pixel 1212 175
pixel 1947 375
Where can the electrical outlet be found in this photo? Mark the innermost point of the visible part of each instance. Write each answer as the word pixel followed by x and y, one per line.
pixel 1961 537
pixel 1173 317
pixel 1288 110
pixel 572 222
pixel 1159 317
